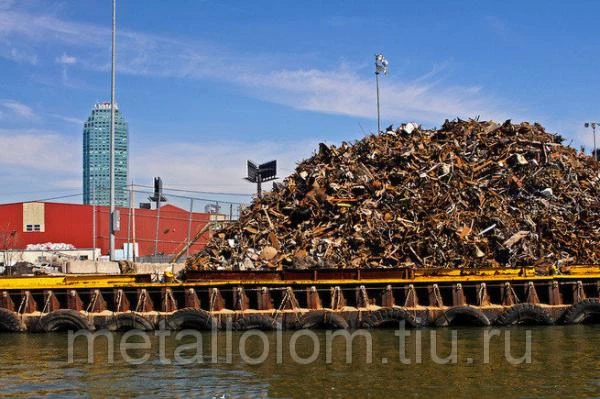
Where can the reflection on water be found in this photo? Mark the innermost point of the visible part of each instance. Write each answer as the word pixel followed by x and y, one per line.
pixel 565 361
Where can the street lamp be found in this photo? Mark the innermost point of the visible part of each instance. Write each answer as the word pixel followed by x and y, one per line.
pixel 381 65
pixel 593 125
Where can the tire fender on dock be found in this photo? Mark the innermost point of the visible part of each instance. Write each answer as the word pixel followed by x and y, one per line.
pixel 191 318
pixel 388 317
pixel 323 319
pixel 462 315
pixel 524 313
pixel 255 322
pixel 10 321
pixel 582 310
pixel 129 321
pixel 64 320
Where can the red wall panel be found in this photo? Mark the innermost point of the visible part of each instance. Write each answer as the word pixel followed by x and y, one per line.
pixel 73 224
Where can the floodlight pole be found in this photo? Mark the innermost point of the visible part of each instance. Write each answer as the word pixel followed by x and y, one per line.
pixel 381 65
pixel 259 185
pixel 595 150
pixel 378 112
pixel 594 134
pixel 593 125
pixel 112 137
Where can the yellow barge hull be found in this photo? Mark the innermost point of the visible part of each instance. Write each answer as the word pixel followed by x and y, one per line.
pixel 364 298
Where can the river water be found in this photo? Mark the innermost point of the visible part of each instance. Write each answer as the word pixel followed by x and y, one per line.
pixel 521 362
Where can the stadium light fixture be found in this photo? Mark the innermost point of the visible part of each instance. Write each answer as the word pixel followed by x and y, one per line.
pixel 381 66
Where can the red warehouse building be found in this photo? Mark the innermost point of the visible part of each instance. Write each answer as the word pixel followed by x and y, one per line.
pixel 40 222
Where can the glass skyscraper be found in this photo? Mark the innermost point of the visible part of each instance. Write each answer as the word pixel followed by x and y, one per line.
pixel 96 157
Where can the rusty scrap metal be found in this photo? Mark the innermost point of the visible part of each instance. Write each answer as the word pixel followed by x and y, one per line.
pixel 471 194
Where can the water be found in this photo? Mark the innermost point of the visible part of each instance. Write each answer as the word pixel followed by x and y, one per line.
pixel 562 362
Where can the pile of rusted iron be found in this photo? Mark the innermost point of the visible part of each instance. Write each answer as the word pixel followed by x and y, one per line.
pixel 471 194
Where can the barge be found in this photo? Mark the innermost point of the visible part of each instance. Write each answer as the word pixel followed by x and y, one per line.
pixel 292 299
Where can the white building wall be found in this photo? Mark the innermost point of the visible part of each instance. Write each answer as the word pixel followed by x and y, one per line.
pixel 13 256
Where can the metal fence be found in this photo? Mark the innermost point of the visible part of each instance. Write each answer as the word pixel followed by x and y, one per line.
pixel 164 232
pixel 220 204
pixel 169 239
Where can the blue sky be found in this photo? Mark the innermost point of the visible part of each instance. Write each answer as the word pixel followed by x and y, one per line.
pixel 206 85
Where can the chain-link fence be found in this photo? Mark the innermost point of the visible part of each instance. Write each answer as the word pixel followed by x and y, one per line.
pixel 221 204
pixel 151 233
pixel 158 232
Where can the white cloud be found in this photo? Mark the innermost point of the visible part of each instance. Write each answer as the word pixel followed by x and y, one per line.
pixel 69 119
pixel 45 151
pixel 216 165
pixel 347 93
pixel 22 56
pixel 66 59
pixel 16 108
pixel 73 184
pixel 585 137
pixel 55 159
pixel 344 91
pixel 221 165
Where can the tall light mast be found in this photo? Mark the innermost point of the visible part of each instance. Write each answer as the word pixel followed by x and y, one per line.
pixel 381 66
pixel 112 137
pixel 593 125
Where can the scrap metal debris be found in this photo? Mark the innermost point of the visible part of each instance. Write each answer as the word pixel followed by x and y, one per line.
pixel 471 194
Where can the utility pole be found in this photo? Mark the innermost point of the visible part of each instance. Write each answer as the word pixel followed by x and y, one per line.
pixel 156 236
pixel 112 136
pixel 133 234
pixel 94 219
pixel 189 227
pixel 593 125
pixel 94 227
pixel 158 198
pixel 381 65
pixel 129 220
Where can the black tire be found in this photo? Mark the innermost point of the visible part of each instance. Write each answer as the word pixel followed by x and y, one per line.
pixel 191 318
pixel 10 322
pixel 583 311
pixel 525 313
pixel 322 319
pixel 462 315
pixel 129 321
pixel 388 318
pixel 255 322
pixel 64 320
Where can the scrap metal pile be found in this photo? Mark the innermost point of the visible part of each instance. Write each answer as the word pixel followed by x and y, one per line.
pixel 471 194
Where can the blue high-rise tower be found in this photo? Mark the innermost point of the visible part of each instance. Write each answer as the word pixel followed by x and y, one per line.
pixel 96 157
